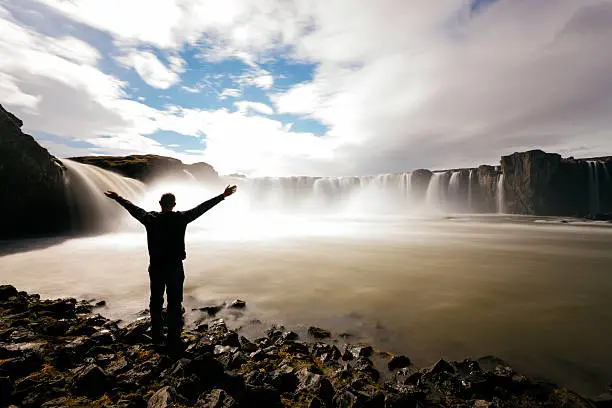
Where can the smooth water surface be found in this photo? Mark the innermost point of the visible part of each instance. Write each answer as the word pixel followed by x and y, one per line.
pixel 536 294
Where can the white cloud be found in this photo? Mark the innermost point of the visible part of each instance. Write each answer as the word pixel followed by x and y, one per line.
pixel 190 89
pixel 264 81
pixel 399 83
pixel 300 99
pixel 230 92
pixel 245 106
pixel 151 69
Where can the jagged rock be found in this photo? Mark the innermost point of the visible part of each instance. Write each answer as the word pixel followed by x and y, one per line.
pixel 231 339
pixel 442 366
pixel 7 292
pixel 246 345
pixel 135 332
pixel 6 389
pixel 397 362
pixel 91 382
pixel 262 396
pixel 290 335
pixel 216 399
pixel 284 379
pixel 366 366
pixel 315 384
pixel 237 304
pixel 361 350
pixel 163 398
pixel 18 367
pixel 318 333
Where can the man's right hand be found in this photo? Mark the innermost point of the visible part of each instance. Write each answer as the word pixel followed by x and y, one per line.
pixel 111 194
pixel 229 190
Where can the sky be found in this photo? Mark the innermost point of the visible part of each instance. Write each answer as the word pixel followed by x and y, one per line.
pixel 311 87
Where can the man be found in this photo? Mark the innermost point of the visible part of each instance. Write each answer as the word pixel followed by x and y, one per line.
pixel 166 244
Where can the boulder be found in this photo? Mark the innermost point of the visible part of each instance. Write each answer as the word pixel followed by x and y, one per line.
pixel 163 398
pixel 215 399
pixel 7 292
pixel 397 362
pixel 91 382
pixel 318 333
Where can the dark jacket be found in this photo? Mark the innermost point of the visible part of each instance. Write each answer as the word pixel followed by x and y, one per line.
pixel 166 230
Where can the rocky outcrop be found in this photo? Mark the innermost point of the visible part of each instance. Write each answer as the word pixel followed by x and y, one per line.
pixel 31 184
pixel 149 167
pixel 542 183
pixel 56 353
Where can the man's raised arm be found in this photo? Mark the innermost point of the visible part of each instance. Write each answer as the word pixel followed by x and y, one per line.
pixel 135 211
pixel 195 212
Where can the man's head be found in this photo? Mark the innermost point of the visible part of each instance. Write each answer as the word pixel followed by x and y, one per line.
pixel 167 202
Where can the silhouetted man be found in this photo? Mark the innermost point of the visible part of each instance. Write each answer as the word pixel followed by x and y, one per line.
pixel 166 242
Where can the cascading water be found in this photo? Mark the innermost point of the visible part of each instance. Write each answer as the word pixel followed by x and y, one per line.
pixel 453 186
pixel 593 187
pixel 86 185
pixel 500 194
pixel 435 195
pixel 470 200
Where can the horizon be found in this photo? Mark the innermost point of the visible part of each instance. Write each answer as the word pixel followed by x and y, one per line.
pixel 271 88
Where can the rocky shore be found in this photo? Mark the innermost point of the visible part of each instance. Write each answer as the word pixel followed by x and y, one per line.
pixel 60 353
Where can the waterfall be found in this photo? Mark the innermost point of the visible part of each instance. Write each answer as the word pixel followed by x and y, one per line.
pixel 434 196
pixel 470 191
pixel 188 173
pixel 453 185
pixel 86 185
pixel 593 187
pixel 500 194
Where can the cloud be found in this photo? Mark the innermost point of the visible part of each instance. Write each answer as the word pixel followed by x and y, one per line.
pixel 230 93
pixel 245 106
pixel 152 70
pixel 190 89
pixel 301 99
pixel 399 83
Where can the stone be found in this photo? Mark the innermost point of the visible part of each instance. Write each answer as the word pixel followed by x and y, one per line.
pixel 262 396
pixel 237 304
pixel 318 333
pixel 398 362
pixel 315 384
pixel 284 379
pixel 211 310
pixel 163 398
pixel 91 382
pixel 215 399
pixel 6 389
pixel 246 345
pixel 7 292
pixel 366 366
pixel 442 366
pixel 361 350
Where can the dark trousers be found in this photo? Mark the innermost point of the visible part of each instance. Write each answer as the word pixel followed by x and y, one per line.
pixel 169 278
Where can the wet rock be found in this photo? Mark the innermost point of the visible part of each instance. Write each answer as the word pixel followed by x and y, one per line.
pixel 284 379
pixel 163 398
pixel 361 350
pixel 246 345
pixel 296 347
pixel 237 304
pixel 290 335
pixel 318 333
pixel 19 367
pixel 202 345
pixel 442 366
pixel 397 362
pixel 216 399
pixel 6 389
pixel 217 326
pixel 262 396
pixel 211 310
pixel 315 384
pixel 91 382
pixel 206 368
pixel 188 389
pixel 366 366
pixel 7 292
pixel 135 332
pixel 231 339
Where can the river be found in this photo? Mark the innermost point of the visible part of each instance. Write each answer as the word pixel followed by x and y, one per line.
pixel 537 294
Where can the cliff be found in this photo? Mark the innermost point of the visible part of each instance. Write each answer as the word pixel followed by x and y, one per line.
pixel 149 167
pixel 31 184
pixel 542 183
